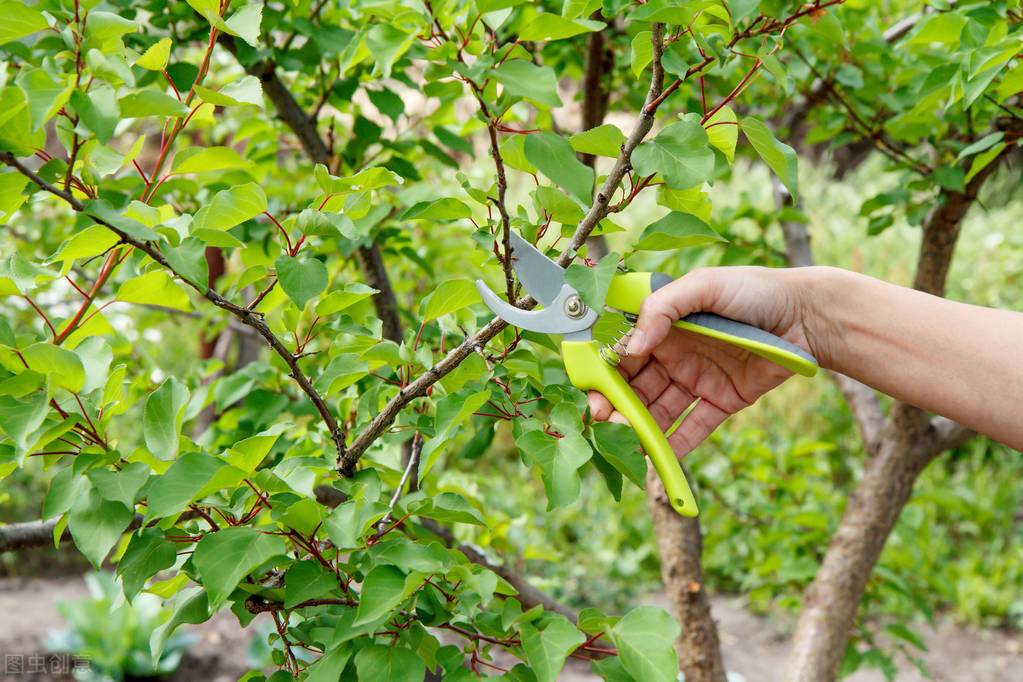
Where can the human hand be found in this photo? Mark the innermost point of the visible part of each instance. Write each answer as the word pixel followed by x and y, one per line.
pixel 670 368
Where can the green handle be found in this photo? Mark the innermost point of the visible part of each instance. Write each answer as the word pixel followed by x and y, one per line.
pixel 627 291
pixel 588 370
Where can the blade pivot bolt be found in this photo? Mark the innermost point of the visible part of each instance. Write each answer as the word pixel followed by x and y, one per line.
pixel 574 307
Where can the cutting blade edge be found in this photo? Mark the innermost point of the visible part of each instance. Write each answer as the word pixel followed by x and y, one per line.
pixel 542 277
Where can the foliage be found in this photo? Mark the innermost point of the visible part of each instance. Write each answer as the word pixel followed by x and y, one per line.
pixel 311 145
pixel 113 635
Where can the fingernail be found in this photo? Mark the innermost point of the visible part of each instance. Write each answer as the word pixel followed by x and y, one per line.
pixel 637 343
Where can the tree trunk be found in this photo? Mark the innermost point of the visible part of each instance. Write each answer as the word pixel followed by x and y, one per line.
pixel 599 63
pixel 681 544
pixel 906 444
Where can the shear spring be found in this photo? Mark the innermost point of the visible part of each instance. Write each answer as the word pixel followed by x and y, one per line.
pixel 614 351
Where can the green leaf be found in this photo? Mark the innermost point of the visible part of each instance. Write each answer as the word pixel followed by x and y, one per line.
pixel 245 23
pixel 382 591
pixel 329 666
pixel 191 605
pixel 559 461
pixel 19 21
pixel 12 186
pixel 605 140
pixel 592 283
pixel 548 26
pixel 223 558
pixel 981 145
pixel 349 522
pixel 693 200
pixel 307 580
pixel 120 486
pixel 231 207
pixel 618 444
pixel 244 91
pixel 19 419
pixel 97 110
pixel 61 367
pixel 641 52
pixel 383 663
pixel 349 295
pixel 447 208
pixel 452 410
pixel 190 477
pixel 450 295
pixel 645 638
pixel 301 277
pixel 151 103
pixel 680 153
pixel 982 160
pixel 246 454
pixel 547 649
pixel 723 131
pixel 677 231
pixel 449 508
pixel 521 78
pixel 941 27
pixel 554 157
pixel 96 525
pixel 162 418
pixel 206 159
pixel 189 260
pixel 147 554
pixel 780 157
pixel 154 288
pixel 155 58
pixel 45 93
pixel 100 210
pixel 387 44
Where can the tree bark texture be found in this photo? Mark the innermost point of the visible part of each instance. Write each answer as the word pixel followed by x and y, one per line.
pixel 680 543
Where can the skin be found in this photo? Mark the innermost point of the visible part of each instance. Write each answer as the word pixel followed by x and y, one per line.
pixel 958 360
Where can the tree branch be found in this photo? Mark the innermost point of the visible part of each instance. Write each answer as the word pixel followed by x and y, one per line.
pixel 247 317
pixel 475 343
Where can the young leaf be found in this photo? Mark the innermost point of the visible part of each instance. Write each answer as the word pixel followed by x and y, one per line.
pixel 244 91
pixel 155 58
pixel 677 231
pixel 592 283
pixel 645 638
pixel 521 78
pixel 555 158
pixel 231 207
pixel 97 110
pixel 301 277
pixel 161 420
pixel 61 367
pixel 723 131
pixel 154 288
pixel 605 140
pixel 681 153
pixel 780 157
pixel 451 295
pixel 206 159
pixel 223 558
pixel 151 103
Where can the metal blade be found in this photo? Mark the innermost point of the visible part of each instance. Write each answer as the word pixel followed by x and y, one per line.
pixel 550 320
pixel 542 277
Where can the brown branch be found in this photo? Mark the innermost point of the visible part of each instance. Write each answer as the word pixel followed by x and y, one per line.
pixel 256 604
pixel 475 343
pixel 246 316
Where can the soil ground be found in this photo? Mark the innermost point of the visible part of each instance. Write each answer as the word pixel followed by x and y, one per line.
pixel 755 647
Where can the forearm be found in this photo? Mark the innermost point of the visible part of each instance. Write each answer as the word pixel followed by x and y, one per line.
pixel 961 361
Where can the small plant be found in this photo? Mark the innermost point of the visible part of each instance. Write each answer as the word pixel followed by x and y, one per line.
pixel 113 634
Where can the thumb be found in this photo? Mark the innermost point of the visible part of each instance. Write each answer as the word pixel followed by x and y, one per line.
pixel 693 292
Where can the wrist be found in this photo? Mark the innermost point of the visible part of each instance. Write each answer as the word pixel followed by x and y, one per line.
pixel 818 291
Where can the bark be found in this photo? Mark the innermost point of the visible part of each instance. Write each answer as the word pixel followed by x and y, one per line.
pixel 908 443
pixel 596 95
pixel 680 543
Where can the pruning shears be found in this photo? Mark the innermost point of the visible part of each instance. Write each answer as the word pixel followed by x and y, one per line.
pixel 593 366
